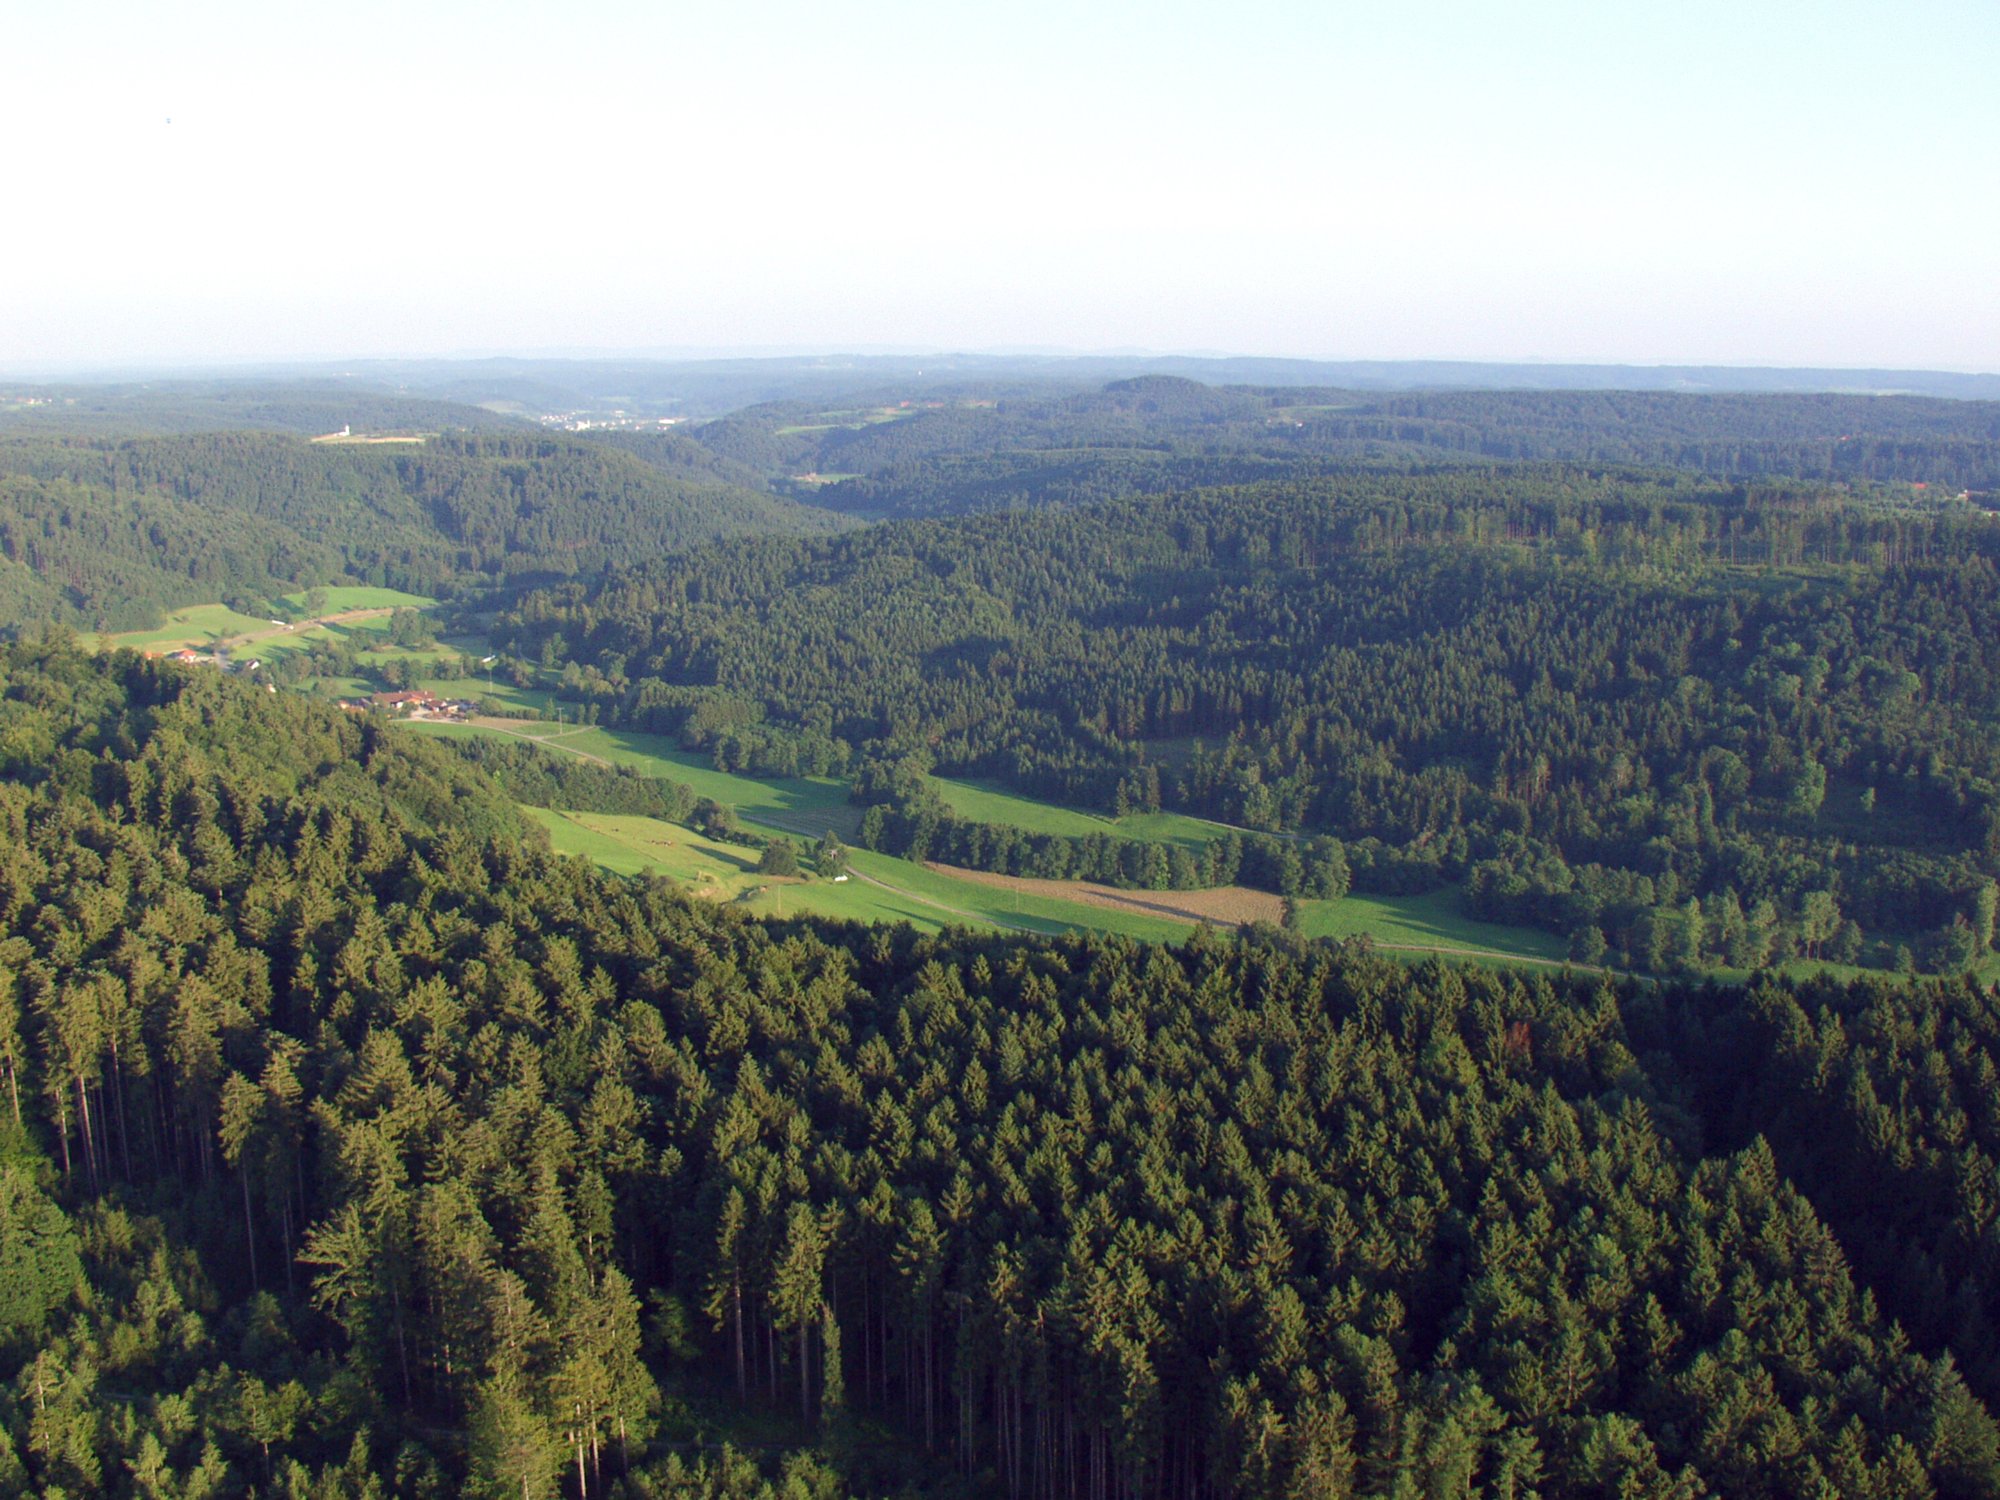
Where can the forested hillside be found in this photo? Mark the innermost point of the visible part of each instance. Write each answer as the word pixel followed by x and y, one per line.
pixel 352 1146
pixel 978 452
pixel 304 407
pixel 1694 721
pixel 101 533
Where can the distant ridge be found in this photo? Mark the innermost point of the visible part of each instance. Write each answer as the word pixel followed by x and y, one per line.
pixel 520 387
pixel 1693 379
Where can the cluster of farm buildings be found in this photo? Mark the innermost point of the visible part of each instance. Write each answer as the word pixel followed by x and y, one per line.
pixel 192 658
pixel 411 703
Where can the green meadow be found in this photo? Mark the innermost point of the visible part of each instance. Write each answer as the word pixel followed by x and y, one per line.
pixel 199 626
pixel 342 597
pixel 202 627
pixel 982 802
pixel 911 892
pixel 879 888
pixel 806 806
pixel 802 805
pixel 1433 920
pixel 634 845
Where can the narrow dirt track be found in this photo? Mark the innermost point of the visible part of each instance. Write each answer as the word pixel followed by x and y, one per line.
pixel 345 617
pixel 552 741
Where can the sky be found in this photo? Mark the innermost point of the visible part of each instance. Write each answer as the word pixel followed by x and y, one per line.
pixel 1757 182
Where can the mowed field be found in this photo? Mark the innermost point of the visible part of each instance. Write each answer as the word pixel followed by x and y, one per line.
pixel 982 802
pixel 634 845
pixel 1419 925
pixel 886 889
pixel 1223 906
pixel 806 806
pixel 201 627
pixel 1431 923
pixel 878 888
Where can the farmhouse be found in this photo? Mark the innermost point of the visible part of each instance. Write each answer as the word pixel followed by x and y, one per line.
pixel 407 701
pixel 420 704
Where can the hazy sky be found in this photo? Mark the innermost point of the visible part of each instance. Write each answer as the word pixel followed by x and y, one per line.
pixel 1750 182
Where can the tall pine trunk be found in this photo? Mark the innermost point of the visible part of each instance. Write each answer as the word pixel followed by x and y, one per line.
pixel 249 1226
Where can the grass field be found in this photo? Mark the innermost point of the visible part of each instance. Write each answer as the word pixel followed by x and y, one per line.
pixel 880 889
pixel 886 889
pixel 633 845
pixel 339 687
pixel 202 626
pixel 1429 921
pixel 803 805
pixel 982 802
pixel 851 419
pixel 931 898
pixel 1169 828
pixel 811 805
pixel 992 906
pixel 198 626
pixel 807 806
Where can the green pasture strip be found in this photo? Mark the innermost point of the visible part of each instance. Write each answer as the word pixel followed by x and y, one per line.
pixel 1432 920
pixel 796 806
pixel 631 845
pixel 806 806
pixel 992 905
pixel 199 626
pixel 984 802
pixel 879 888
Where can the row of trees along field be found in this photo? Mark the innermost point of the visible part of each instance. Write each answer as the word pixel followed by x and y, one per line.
pixel 1594 697
pixel 354 1145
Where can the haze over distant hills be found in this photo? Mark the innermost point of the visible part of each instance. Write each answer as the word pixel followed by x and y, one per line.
pixel 711 386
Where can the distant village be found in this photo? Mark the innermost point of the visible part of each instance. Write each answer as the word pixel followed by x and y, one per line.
pixel 616 421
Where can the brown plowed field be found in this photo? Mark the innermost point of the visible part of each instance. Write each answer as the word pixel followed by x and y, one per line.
pixel 1225 906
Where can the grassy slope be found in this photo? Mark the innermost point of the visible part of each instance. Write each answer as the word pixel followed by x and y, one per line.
pixel 202 625
pixel 982 802
pixel 1432 920
pixel 881 890
pixel 199 626
pixel 630 845
pixel 804 805
pixel 922 896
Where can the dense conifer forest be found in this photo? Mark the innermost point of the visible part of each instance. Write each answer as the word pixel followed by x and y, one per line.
pixel 107 534
pixel 1685 721
pixel 1012 448
pixel 354 1144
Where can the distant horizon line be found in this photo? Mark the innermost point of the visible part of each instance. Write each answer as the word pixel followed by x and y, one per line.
pixel 109 371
